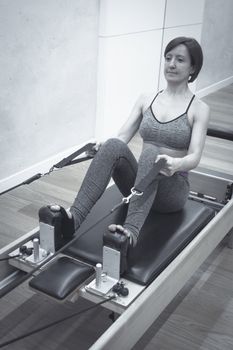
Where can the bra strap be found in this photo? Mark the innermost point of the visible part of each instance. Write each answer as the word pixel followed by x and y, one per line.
pixel 155 97
pixel 190 104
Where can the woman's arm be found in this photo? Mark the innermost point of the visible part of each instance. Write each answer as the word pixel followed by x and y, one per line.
pixel 130 127
pixel 192 159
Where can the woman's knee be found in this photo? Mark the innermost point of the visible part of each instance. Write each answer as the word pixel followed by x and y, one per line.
pixel 169 205
pixel 113 142
pixel 172 195
pixel 113 146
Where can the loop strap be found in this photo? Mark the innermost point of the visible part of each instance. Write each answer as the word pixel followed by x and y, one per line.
pixel 150 177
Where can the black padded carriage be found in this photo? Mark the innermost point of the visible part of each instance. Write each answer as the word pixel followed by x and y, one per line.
pixel 162 238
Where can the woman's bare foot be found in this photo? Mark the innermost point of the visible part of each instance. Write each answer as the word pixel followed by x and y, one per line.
pixel 132 237
pixel 67 222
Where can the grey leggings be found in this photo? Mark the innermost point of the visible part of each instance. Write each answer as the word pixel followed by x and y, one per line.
pixel 114 159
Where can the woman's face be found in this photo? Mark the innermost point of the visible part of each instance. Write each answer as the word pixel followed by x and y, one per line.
pixel 177 67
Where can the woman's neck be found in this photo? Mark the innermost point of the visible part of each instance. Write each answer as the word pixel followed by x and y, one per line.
pixel 178 90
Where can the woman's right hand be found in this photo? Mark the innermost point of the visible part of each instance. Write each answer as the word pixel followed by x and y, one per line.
pixel 94 149
pixel 97 146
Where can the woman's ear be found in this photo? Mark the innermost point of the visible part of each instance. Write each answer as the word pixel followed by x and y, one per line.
pixel 192 70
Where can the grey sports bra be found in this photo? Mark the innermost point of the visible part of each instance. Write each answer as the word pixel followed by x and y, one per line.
pixel 174 134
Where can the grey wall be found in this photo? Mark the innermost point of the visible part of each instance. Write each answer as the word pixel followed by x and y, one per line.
pixel 48 63
pixel 132 33
pixel 217 42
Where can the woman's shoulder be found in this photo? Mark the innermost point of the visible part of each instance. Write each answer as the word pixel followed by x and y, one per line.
pixel 146 98
pixel 201 106
pixel 201 109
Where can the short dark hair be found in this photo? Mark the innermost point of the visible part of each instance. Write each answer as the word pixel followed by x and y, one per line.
pixel 195 52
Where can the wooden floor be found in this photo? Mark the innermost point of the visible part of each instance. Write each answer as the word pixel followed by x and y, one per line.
pixel 200 317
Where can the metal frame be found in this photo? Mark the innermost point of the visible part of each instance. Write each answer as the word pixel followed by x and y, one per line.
pixel 134 322
pixel 6 269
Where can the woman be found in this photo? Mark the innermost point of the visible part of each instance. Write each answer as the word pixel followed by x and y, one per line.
pixel 173 127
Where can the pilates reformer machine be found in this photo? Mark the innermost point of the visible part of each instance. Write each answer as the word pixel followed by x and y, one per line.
pixel 137 283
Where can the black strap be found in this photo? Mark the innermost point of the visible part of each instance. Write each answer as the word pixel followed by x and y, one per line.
pixel 54 323
pixel 189 104
pixel 70 159
pixel 64 162
pixel 159 92
pixel 151 176
pixel 26 182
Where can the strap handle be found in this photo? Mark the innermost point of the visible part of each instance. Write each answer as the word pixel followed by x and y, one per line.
pixel 88 148
pixel 150 177
pixel 70 159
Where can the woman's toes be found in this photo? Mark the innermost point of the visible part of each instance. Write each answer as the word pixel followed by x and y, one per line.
pixel 112 227
pixel 120 228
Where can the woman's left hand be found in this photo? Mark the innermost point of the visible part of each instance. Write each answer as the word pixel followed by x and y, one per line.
pixel 170 166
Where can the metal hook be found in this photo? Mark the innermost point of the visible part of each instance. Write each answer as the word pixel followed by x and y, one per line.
pixel 133 193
